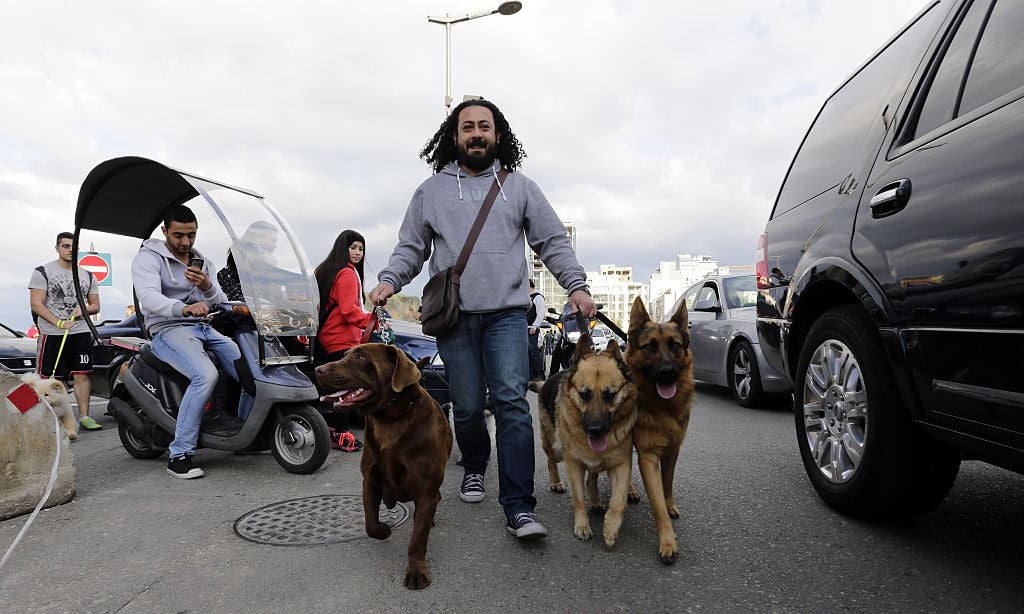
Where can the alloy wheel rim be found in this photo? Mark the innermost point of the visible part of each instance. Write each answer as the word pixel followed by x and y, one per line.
pixel 741 373
pixel 294 439
pixel 835 411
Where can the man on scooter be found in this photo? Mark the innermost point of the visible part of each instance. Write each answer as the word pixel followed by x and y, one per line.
pixel 175 290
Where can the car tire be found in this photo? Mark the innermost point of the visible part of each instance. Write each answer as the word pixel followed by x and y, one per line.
pixel 298 438
pixel 745 375
pixel 862 451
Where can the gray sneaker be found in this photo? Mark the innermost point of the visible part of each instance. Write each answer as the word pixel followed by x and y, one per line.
pixel 472 489
pixel 524 525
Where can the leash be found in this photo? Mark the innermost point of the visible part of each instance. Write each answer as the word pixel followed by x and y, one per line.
pixel 60 350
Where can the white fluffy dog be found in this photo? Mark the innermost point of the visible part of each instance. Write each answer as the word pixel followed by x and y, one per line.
pixel 56 394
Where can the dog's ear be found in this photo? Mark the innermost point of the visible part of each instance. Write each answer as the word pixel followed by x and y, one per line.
pixel 583 349
pixel 681 317
pixel 614 351
pixel 406 372
pixel 637 318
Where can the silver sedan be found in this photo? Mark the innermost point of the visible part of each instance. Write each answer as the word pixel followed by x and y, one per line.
pixel 723 338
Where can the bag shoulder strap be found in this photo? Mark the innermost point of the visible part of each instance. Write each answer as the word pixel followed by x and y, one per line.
pixel 478 225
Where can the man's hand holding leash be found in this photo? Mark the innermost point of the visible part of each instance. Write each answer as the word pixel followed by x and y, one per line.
pixel 380 294
pixel 581 301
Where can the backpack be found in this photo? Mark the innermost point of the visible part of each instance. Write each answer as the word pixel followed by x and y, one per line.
pixel 46 280
pixel 531 313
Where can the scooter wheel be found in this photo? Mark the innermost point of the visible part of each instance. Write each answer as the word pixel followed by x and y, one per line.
pixel 299 438
pixel 138 448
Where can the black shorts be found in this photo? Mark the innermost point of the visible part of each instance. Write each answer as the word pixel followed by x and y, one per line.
pixel 75 358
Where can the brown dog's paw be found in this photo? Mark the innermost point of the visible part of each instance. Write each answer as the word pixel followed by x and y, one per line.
pixel 673 511
pixel 610 539
pixel 633 496
pixel 381 531
pixel 668 553
pixel 598 508
pixel 558 487
pixel 416 577
pixel 583 532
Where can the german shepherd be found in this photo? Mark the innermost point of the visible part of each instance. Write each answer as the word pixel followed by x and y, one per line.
pixel 587 421
pixel 661 366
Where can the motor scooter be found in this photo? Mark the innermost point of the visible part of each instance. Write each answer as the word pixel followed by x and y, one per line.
pixel 569 326
pixel 128 197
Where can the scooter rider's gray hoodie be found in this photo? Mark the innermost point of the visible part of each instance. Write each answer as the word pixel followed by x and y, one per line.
pixel 438 221
pixel 162 289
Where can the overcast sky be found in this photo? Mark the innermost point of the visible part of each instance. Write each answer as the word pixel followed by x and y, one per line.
pixel 658 127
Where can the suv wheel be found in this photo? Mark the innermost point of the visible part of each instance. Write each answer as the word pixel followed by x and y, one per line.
pixel 744 375
pixel 863 453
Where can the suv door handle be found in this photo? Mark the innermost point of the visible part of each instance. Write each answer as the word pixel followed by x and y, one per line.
pixel 892 198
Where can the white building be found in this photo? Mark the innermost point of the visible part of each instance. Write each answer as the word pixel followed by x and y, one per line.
pixel 673 277
pixel 614 287
pixel 554 294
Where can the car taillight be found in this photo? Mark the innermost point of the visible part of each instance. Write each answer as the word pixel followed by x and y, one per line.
pixel 761 262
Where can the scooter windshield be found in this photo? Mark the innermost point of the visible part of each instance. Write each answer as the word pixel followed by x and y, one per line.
pixel 276 280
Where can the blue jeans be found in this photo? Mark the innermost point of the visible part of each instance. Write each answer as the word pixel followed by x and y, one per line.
pixel 184 347
pixel 489 351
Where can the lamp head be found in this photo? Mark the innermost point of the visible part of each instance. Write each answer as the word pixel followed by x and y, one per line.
pixel 509 8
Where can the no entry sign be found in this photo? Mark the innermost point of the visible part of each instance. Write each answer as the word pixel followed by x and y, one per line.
pixel 99 265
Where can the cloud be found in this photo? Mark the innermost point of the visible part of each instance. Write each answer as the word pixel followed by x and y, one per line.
pixel 657 127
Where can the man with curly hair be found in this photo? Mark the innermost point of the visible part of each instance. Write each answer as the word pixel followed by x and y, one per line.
pixel 488 348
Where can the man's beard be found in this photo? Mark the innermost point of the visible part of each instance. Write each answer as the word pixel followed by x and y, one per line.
pixel 477 163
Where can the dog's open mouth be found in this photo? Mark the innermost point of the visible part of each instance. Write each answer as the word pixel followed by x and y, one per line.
pixel 666 391
pixel 346 398
pixel 597 444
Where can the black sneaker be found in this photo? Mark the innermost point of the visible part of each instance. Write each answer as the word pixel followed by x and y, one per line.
pixel 472 489
pixel 524 525
pixel 181 467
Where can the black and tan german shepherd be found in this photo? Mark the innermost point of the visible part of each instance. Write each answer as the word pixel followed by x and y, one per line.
pixel 587 416
pixel 661 367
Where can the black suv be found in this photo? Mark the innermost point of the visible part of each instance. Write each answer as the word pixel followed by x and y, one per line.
pixel 892 266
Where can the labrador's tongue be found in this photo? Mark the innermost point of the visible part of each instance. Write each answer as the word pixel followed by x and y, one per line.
pixel 666 391
pixel 597 444
pixel 333 397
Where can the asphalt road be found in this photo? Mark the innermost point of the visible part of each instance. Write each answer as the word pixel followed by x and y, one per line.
pixel 753 536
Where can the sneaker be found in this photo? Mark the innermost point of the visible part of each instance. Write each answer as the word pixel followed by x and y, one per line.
pixel 524 525
pixel 346 442
pixel 89 424
pixel 181 467
pixel 472 489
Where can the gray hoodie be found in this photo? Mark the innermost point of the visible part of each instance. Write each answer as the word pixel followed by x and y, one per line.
pixel 162 289
pixel 438 221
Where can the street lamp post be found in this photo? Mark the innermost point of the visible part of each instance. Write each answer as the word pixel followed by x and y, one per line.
pixel 505 8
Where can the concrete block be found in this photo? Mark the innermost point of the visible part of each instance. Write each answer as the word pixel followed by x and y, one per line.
pixel 27 448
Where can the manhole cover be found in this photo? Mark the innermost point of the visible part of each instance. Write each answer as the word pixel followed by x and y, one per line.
pixel 325 519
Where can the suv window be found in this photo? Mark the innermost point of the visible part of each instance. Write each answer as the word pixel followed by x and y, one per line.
pixel 998 66
pixel 833 143
pixel 940 106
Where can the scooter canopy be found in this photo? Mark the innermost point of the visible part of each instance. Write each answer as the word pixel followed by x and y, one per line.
pixel 129 197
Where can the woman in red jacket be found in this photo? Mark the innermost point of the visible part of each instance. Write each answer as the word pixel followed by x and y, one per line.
pixel 342 318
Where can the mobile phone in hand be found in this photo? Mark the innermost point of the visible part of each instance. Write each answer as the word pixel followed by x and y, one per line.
pixel 196 263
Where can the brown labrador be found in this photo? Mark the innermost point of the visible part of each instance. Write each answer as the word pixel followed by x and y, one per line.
pixel 407 441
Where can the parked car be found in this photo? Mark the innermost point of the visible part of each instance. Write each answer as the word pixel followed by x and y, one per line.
pixel 600 337
pixel 17 352
pixel 723 338
pixel 892 265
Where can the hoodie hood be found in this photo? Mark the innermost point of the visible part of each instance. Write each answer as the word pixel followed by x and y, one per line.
pixel 453 168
